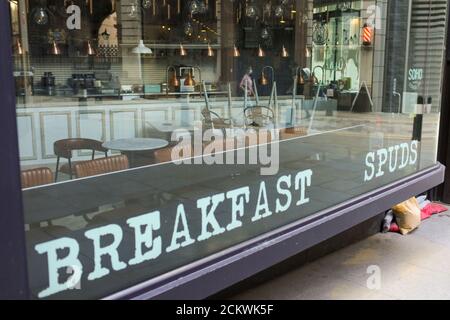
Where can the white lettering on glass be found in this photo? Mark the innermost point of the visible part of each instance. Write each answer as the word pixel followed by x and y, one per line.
pixel 303 180
pixel 237 197
pixel 390 159
pixel 55 264
pixel 107 241
pixel 285 192
pixel 208 217
pixel 183 233
pixel 95 235
pixel 262 206
pixel 150 222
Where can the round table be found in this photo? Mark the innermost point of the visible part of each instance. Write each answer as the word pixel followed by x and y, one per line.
pixel 136 149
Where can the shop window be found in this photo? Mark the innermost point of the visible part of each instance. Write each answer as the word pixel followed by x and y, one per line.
pixel 155 133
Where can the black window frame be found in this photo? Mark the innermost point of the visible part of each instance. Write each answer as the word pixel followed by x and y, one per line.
pixel 197 280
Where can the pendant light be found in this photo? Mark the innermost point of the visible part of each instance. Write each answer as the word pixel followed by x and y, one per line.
pixel 189 81
pixel 300 79
pixel 174 82
pixel 261 52
pixel 90 49
pixel 210 51
pixel 307 53
pixel 183 51
pixel 142 49
pixel 40 16
pixel 55 50
pixel 236 52
pixel 263 80
pixel 284 52
pixel 147 4
pixel 19 48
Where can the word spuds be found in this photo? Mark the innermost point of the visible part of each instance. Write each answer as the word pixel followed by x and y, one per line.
pixel 390 159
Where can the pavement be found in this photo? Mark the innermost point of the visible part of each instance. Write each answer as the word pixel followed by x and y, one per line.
pixel 384 266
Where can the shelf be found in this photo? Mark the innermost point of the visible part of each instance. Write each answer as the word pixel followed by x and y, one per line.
pixel 345 46
pixel 176 46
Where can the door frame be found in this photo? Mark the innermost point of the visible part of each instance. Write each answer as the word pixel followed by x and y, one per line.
pixel 14 274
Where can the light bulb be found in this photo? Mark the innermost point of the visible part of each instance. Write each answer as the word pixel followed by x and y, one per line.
pixel 147 4
pixel 265 34
pixel 40 17
pixel 188 28
pixel 279 12
pixel 194 7
pixel 250 12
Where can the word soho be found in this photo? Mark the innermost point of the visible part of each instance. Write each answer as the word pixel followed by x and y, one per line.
pixel 148 243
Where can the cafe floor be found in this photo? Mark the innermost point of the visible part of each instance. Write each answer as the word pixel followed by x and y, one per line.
pixel 415 266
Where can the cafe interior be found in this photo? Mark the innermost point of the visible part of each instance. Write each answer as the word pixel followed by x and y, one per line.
pixel 103 85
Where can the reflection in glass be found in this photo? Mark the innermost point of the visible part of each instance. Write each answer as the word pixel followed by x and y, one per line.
pixel 127 87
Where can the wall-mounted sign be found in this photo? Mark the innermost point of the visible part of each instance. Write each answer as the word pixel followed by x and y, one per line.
pixel 415 77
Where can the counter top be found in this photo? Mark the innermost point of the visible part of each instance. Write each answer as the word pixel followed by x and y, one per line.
pixel 172 99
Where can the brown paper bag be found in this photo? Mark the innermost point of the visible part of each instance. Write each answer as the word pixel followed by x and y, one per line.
pixel 407 215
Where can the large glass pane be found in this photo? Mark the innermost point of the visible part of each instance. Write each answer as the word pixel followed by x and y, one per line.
pixel 156 133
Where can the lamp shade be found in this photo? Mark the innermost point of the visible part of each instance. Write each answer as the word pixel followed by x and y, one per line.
pixel 183 51
pixel 284 52
pixel 261 52
pixel 210 51
pixel 90 49
pixel 142 49
pixel 263 80
pixel 236 52
pixel 55 50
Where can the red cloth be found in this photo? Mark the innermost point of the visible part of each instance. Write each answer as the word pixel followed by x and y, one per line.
pixel 394 228
pixel 430 209
pixel 425 213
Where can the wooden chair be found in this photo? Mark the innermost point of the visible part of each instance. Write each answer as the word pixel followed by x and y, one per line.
pixel 36 177
pixel 63 149
pixel 293 132
pixel 101 166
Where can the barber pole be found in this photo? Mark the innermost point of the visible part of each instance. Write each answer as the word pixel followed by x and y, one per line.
pixel 367 35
